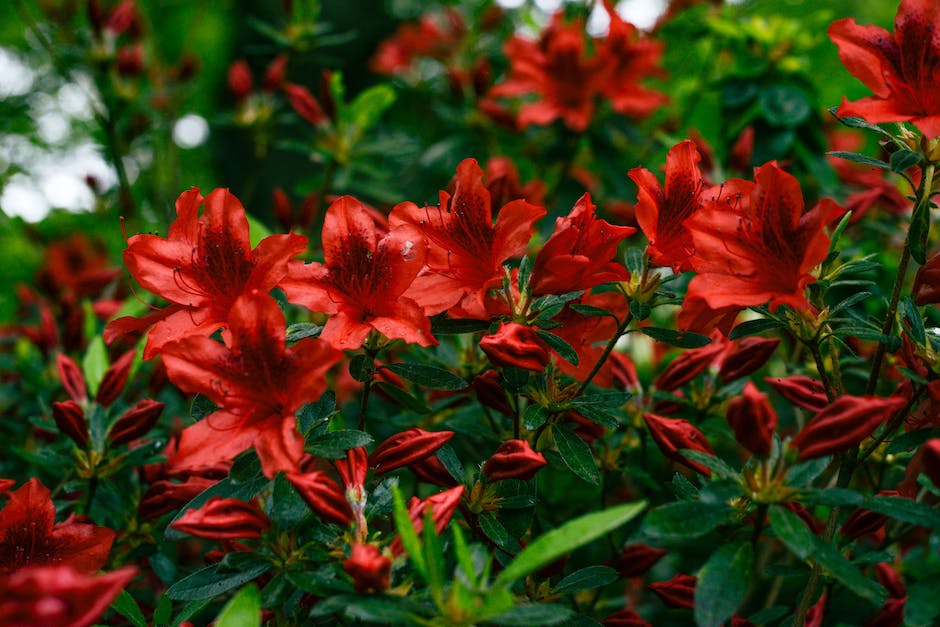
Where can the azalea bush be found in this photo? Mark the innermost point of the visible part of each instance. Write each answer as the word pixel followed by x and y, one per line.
pixel 494 316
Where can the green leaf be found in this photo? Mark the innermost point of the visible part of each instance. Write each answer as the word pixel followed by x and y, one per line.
pixel 902 160
pixel 403 398
pixel 126 606
pixel 784 105
pixel 903 509
pixel 754 327
pixel 163 612
pixel 463 555
pixel 918 232
pixel 722 584
pixel 407 533
pixel 190 610
pixel 804 473
pixel 791 531
pixel 635 260
pixel 430 377
pixel 576 454
pixel 201 407
pixel 601 408
pixel 94 364
pixel 333 445
pixel 366 109
pixel 923 603
pixel 316 412
pixel 525 271
pixel 362 367
pixel 433 553
pixel 302 330
pixel 640 310
pixel 717 465
pixel 564 539
pixel 242 610
pixel 446 326
pixel 213 580
pixel 917 331
pixel 257 231
pixel 911 440
pixel 855 157
pixel 676 338
pixel 534 614
pixel 559 345
pixel 535 416
pixel 845 571
pixel 856 122
pixel 591 310
pixel 832 496
pixel 495 531
pixel 587 579
pixel 684 520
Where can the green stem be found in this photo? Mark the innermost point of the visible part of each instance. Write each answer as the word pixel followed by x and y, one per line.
pixel 607 351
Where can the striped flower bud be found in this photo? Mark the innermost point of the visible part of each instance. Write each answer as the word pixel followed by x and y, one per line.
pixel 753 420
pixel 514 459
pixel 407 447
pixel 843 424
pixel 674 434
pixel 70 419
pixel 224 519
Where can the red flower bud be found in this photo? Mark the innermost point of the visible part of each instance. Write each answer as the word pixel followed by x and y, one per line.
pixel 689 364
pixel 5 485
pixel 815 615
pixel 442 506
pixel 514 459
pixel 370 570
pixel 432 470
pixel 406 447
pixel 239 79
pixel 812 523
pixel 283 210
pixel 931 460
pixel 891 613
pixel 636 559
pixel 324 496
pixel 130 60
pixel 305 104
pixel 353 469
pixel 490 392
pixel 224 519
pixel 70 418
pixel 926 288
pixel 274 75
pixel 624 371
pixel 135 422
pixel 165 496
pixel 844 423
pixel 625 618
pixel 515 345
pixel 747 357
pixel 753 420
pixel 801 391
pixel 891 581
pixel 675 434
pixel 115 378
pixel 863 522
pixel 72 378
pixel 122 18
pixel 677 593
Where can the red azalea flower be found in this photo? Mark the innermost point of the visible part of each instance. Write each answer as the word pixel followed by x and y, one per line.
pixel 365 280
pixel 556 69
pixel 58 596
pixel 256 380
pixel 628 58
pixel 29 535
pixel 901 68
pixel 466 250
pixel 369 569
pixel 674 434
pixel 577 255
pixel 753 420
pixel 662 211
pixel 678 592
pixel 517 346
pixel 760 247
pixel 224 519
pixel 203 266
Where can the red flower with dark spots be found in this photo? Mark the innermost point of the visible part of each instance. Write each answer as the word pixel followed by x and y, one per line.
pixel 204 264
pixel 29 535
pixel 901 68
pixel 257 382
pixel 578 254
pixel 761 247
pixel 662 211
pixel 466 249
pixel 364 281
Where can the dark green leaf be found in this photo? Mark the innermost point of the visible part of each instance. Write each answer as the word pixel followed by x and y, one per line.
pixel 191 609
pixel 366 109
pixel 525 271
pixel 163 612
pixel 447 326
pixel 754 327
pixel 430 377
pixel 911 440
pixel 535 416
pixel 906 510
pixel 534 614
pixel 832 496
pixel 333 445
pixel 302 330
pixel 855 122
pixel 213 580
pixel 126 606
pixel 722 584
pixel 403 398
pixel 317 411
pixel 591 310
pixel 494 530
pixel 640 310
pixel 676 338
pixel 684 520
pixel 362 367
pixel 803 474
pixel 713 463
pixel 560 346
pixel 923 603
pixel 902 160
pixel 576 454
pixel 635 260
pixel 383 609
pixel 918 232
pixel 289 508
pixel 859 158
pixel 407 533
pixel 201 407
pixel 564 539
pixel 587 579
pixel 451 462
pixel 242 610
pixel 791 531
pixel 845 571
pixel 916 324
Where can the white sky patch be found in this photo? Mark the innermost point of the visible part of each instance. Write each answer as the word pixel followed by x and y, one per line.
pixel 599 21
pixel 190 131
pixel 16 78
pixel 641 13
pixel 510 4
pixel 549 6
pixel 22 198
